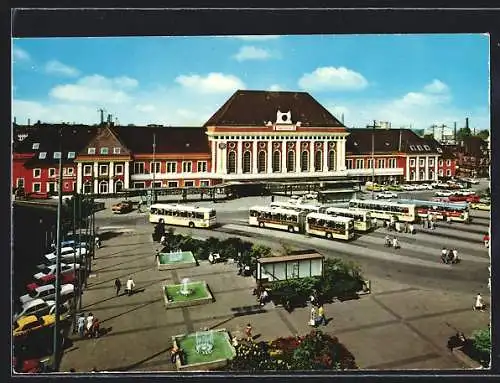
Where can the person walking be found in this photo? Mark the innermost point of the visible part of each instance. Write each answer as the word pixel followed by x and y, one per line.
pixel 157 256
pixel 395 243
pixel 455 256
pixel 321 320
pixel 139 206
pixel 423 222
pixel 486 240
pixel 388 241
pixel 312 319
pixel 163 240
pixel 96 328
pixel 130 286
pixel 118 286
pixel 248 332
pixel 412 229
pixel 81 325
pixel 479 303
pixel 444 254
pixel 397 226
pixel 431 222
pixel 90 322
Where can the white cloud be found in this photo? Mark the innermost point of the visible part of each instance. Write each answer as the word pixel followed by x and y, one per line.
pixel 331 78
pixel 275 88
pixel 96 89
pixel 20 54
pixel 255 37
pixel 145 108
pixel 252 53
pixel 211 83
pixel 57 67
pixel 436 86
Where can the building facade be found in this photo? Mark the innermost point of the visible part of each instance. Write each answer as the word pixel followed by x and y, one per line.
pixel 254 136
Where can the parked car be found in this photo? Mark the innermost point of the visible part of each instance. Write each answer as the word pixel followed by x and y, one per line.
pixel 68 255
pixel 386 195
pixel 440 199
pixel 426 187
pixel 50 279
pixel 408 187
pixel 395 187
pixel 122 207
pixel 480 206
pixel 70 243
pixel 48 292
pixel 443 193
pixel 27 324
pixel 51 269
pixel 35 307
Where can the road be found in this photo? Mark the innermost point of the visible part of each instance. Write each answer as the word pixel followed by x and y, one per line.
pixel 417 262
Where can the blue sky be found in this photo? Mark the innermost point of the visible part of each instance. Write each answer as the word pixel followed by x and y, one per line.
pixel 416 80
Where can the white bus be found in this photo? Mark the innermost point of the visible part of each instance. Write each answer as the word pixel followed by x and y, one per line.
pixel 310 208
pixel 385 210
pixel 324 225
pixel 182 215
pixel 362 219
pixel 277 218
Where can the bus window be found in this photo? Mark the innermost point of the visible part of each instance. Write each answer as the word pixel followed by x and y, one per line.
pixel 153 210
pixel 212 213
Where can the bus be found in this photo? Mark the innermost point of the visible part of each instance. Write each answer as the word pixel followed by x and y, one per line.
pixel 362 219
pixel 310 208
pixel 328 226
pixel 182 215
pixel 277 218
pixel 457 211
pixel 385 210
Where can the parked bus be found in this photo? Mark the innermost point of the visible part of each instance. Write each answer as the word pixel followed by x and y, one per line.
pixel 457 211
pixel 328 226
pixel 310 208
pixel 182 215
pixel 362 219
pixel 385 210
pixel 277 218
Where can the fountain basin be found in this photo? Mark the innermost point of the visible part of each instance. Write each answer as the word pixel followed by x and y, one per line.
pixel 199 294
pixel 223 351
pixel 187 259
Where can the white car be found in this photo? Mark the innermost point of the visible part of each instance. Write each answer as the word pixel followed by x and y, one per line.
pixel 386 195
pixel 407 187
pixel 426 187
pixel 51 269
pixel 36 307
pixel 68 254
pixel 444 193
pixel 465 192
pixel 48 292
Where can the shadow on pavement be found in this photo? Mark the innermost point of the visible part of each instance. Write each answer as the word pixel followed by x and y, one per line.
pixel 109 268
pixel 104 236
pixel 137 364
pixel 119 277
pixel 131 310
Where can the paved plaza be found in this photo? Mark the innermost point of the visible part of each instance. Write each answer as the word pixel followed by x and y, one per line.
pixel 398 326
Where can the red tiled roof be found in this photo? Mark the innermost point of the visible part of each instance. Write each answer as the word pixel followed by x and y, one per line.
pixel 257 107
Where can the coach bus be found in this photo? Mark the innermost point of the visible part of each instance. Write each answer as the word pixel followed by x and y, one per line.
pixel 310 208
pixel 277 218
pixel 362 219
pixel 328 226
pixel 182 215
pixel 385 210
pixel 457 211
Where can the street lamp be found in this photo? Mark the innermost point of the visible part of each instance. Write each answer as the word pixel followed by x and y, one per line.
pixel 373 155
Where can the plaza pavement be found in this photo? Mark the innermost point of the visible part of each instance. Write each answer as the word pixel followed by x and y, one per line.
pixel 398 326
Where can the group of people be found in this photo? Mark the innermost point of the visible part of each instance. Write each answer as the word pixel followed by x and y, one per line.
pixel 449 256
pixel 129 286
pixel 88 326
pixel 262 294
pixel 176 352
pixel 429 222
pixel 400 227
pixel 392 242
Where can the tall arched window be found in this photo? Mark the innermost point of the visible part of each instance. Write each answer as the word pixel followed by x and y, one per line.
pixel 118 186
pixel 87 187
pixel 331 160
pixel 276 161
pixel 318 161
pixel 304 161
pixel 290 161
pixel 247 163
pixel 231 162
pixel 261 162
pixel 103 187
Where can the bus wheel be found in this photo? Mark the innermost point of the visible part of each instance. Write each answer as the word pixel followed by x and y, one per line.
pixel 261 224
pixel 329 235
pixel 290 229
pixel 191 224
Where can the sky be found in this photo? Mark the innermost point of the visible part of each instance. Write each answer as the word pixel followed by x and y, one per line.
pixel 408 80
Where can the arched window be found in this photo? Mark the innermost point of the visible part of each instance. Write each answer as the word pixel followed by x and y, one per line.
pixel 118 186
pixel 247 163
pixel 87 187
pixel 304 161
pixel 231 162
pixel 261 162
pixel 276 161
pixel 290 161
pixel 431 174
pixel 422 176
pixel 103 187
pixel 318 161
pixel 331 160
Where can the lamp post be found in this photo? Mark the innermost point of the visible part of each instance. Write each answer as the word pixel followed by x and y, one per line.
pixel 153 199
pixel 373 155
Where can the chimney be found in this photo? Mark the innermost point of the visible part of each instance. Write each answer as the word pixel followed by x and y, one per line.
pixel 466 122
pixel 14 120
pixel 29 122
pixel 455 132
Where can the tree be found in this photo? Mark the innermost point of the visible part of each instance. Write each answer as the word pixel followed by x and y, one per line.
pixel 463 132
pixel 484 134
pixel 482 340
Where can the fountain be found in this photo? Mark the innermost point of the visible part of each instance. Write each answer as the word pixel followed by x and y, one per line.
pixel 184 290
pixel 175 256
pixel 204 342
pixel 176 259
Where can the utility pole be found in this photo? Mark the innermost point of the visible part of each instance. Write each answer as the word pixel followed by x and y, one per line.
pixel 73 200
pixel 373 154
pixel 153 199
pixel 80 282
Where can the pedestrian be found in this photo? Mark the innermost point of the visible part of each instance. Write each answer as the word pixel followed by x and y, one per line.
pixel 423 222
pixel 431 222
pixel 444 253
pixel 312 319
pixel 388 241
pixel 449 258
pixel 248 332
pixel 395 243
pixel 406 227
pixel 90 322
pixel 479 304
pixel 157 256
pixel 486 240
pixel 264 297
pixel 163 240
pixel 455 256
pixel 139 206
pixel 374 223
pixel 97 241
pixel 412 229
pixel 173 354
pixel 130 286
pixel 398 226
pixel 96 325
pixel 118 286
pixel 321 316
pixel 81 325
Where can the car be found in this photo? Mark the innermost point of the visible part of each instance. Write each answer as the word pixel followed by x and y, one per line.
pixel 51 269
pixel 440 199
pixel 473 199
pixel 26 324
pixel 122 207
pixel 50 279
pixel 426 187
pixel 395 188
pixel 480 206
pixel 48 292
pixel 443 193
pixel 386 195
pixel 69 243
pixel 35 307
pixel 66 256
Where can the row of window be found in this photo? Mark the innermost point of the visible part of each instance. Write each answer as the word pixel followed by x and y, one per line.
pixel 276 161
pixel 104 151
pixel 103 170
pixel 420 147
pixel 431 162
pixel 57 155
pixel 171 184
pixel 37 172
pixel 380 163
pixel 171 167
pixel 274 138
pixel 51 186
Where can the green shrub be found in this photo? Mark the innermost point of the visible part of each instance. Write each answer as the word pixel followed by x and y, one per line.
pixel 481 339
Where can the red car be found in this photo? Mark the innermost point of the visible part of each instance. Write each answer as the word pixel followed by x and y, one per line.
pixel 463 198
pixel 51 278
